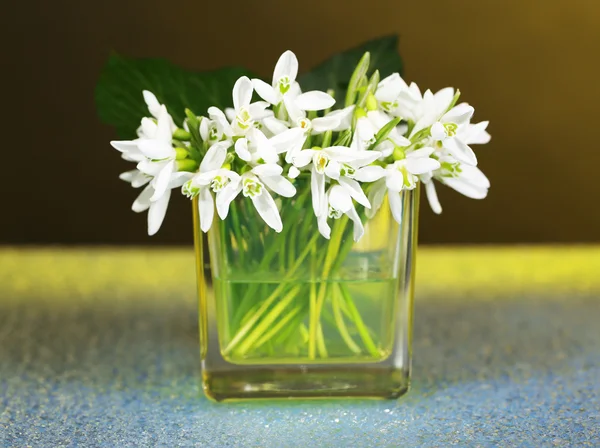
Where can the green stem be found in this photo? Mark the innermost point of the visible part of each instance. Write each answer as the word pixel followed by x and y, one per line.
pixel 267 303
pixel 339 320
pixel 267 321
pixel 321 342
pixel 273 331
pixel 238 232
pixel 360 326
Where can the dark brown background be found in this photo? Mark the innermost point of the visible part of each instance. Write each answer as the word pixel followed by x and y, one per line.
pixel 531 67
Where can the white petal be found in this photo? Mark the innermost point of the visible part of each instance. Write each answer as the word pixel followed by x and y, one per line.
pixel 267 209
pixel 438 132
pixel 294 112
pixel 344 154
pixel 460 114
pixel 376 197
pixel 206 208
pixel 317 189
pixel 149 128
pixel 394 180
pixel 314 100
pixel 180 178
pixel 475 176
pixel 279 185
pixel 275 126
pixel 258 111
pixel 460 151
pixel 476 134
pixel 241 149
pixel 125 145
pixel 365 158
pixel 152 103
pixel 151 168
pixel 226 195
pixel 214 157
pixel 324 228
pixel 327 123
pixel 230 114
pixel 128 176
pixel 265 91
pixel 163 131
pixel 267 169
pixel 287 139
pixel 442 100
pixel 242 93
pixel 156 214
pixel 156 149
pixel 353 188
pixel 142 202
pixel 359 230
pixel 345 117
pixel 369 173
pixel 161 181
pixel 287 65
pixel 339 199
pixel 389 88
pixel 396 206
pixel 420 165
pixel 293 172
pixel 432 197
pixel 332 170
pixel 220 119
pixel 264 148
pixel 466 188
pixel 303 158
pixel 204 129
pixel 421 152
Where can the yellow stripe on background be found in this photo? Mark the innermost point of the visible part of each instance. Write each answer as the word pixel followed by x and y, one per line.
pixel 73 274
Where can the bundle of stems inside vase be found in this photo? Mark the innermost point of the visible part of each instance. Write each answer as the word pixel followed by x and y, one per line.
pixel 290 294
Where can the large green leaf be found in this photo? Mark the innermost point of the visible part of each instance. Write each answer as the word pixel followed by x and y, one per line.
pixel 119 91
pixel 336 71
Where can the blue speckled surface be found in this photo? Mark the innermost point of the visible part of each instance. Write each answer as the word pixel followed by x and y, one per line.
pixel 94 360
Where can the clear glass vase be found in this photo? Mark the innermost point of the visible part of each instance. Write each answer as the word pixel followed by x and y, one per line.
pixel 293 314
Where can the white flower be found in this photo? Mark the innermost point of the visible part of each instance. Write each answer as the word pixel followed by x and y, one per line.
pixel 255 184
pixel 339 163
pixel 160 155
pixel 400 175
pixel 157 208
pixel 395 97
pixel 211 177
pixel 284 78
pixel 367 128
pixel 244 114
pixel 135 177
pixel 447 129
pixel 336 202
pixel 466 179
pixel 255 148
pixel 154 107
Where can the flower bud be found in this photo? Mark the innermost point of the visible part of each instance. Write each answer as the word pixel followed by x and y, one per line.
pixel 371 102
pixel 182 134
pixel 359 112
pixel 181 153
pixel 398 153
pixel 187 165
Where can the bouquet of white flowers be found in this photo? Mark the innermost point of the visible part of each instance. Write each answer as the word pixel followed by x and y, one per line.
pixel 297 178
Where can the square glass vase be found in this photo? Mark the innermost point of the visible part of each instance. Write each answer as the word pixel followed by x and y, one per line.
pixel 295 315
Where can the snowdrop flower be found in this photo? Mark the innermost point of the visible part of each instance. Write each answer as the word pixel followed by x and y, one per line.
pixel 211 177
pixel 244 114
pixel 400 175
pixel 446 131
pixel 336 162
pixel 337 202
pixel 284 88
pixel 255 148
pixel 255 184
pixel 154 107
pixel 395 97
pixel 466 179
pixel 135 177
pixel 158 208
pixel 160 155
pixel 367 128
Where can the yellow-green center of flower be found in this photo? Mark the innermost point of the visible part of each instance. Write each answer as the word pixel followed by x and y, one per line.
pixel 243 119
pixel 252 188
pixel 389 106
pixel 347 170
pixel 190 190
pixel 284 84
pixel 320 160
pixel 304 123
pixel 450 129
pixel 218 183
pixel 334 213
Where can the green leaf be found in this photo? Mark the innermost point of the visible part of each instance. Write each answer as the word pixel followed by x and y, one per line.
pixel 119 91
pixel 335 73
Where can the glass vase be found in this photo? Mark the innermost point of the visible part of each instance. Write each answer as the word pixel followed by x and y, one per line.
pixel 293 314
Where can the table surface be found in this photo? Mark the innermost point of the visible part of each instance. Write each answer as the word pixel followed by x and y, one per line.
pixel 98 347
